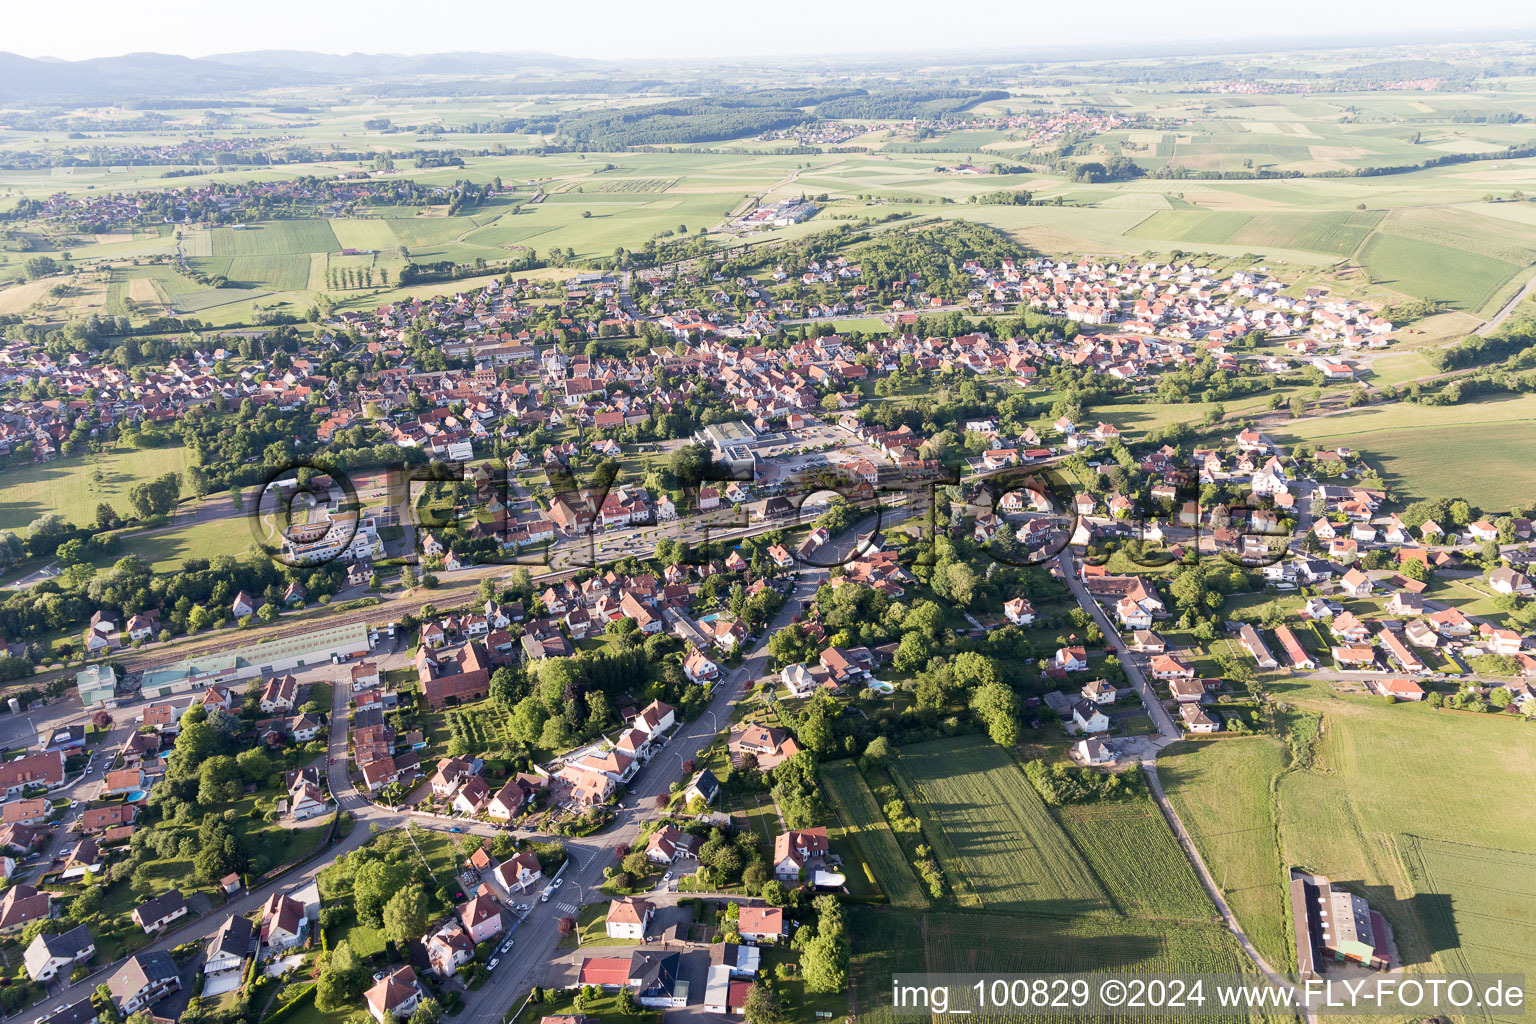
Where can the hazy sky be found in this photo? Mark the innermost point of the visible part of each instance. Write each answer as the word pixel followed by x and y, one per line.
pixel 674 29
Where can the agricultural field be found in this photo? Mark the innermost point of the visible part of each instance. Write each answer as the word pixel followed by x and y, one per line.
pixel 1133 852
pixel 72 487
pixel 1222 793
pixel 863 824
pixel 891 942
pixel 1412 851
pixel 992 832
pixel 1332 821
pixel 1477 905
pixel 1483 450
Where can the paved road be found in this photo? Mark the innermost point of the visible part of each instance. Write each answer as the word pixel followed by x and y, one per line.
pixel 1168 732
pixel 1508 309
pixel 1159 714
pixel 536 938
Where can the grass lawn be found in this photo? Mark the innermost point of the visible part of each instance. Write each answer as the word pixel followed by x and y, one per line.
pixel 68 486
pixel 592 929
pixel 604 1010
pixel 167 549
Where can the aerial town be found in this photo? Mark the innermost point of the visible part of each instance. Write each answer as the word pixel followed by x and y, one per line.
pixel 1007 521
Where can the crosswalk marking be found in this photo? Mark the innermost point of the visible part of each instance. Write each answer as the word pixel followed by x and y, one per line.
pixel 566 908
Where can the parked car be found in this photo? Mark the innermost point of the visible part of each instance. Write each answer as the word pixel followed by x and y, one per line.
pixel 492 965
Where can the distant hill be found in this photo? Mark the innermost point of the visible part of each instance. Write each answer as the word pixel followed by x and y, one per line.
pixel 152 75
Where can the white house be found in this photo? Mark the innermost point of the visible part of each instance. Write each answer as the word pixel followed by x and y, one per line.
pixel 1087 717
pixel 629 917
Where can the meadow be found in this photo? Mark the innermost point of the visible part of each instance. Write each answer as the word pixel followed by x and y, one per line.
pixel 862 823
pixel 70 487
pixel 1483 450
pixel 993 833
pixel 1221 791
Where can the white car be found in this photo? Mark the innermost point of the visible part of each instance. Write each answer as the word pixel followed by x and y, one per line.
pixel 558 883
pixel 544 896
pixel 492 965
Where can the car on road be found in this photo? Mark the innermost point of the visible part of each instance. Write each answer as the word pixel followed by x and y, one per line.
pixel 544 896
pixel 492 965
pixel 558 883
pixel 666 878
pixel 455 829
pixel 506 945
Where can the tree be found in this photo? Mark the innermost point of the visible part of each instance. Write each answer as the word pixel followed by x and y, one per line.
pixel 254 764
pixel 763 1006
pixel 824 962
pixel 566 925
pixel 41 266
pixel 342 976
pixel 218 780
pixel 405 915
pixel 427 1012
pixel 997 707
pixel 372 887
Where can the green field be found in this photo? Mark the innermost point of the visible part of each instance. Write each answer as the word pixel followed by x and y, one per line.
pixel 166 550
pixel 1131 849
pixel 1221 791
pixel 1478 905
pixel 1414 848
pixel 68 486
pixel 993 832
pixel 1465 280
pixel 865 826
pixel 1484 451
pixel 275 238
pixel 890 942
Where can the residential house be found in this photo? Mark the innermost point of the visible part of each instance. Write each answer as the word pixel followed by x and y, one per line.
pixel 284 924
pixel 395 995
pixel 143 980
pixel 22 905
pixel 1088 718
pixel 1195 719
pixel 230 946
pixel 47 955
pixel 519 873
pixel 629 917
pixel 481 917
pixel 160 911
pixel 761 924
pixel 794 849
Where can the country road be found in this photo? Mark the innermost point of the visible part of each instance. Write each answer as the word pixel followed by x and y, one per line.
pixel 1168 732
pixel 1508 309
